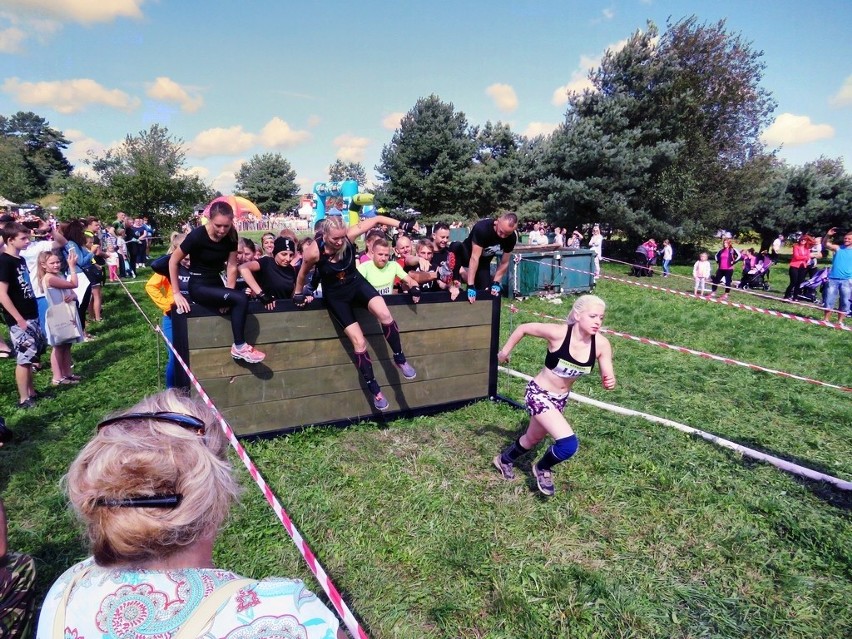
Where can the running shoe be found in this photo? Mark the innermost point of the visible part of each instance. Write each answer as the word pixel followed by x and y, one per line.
pixel 446 268
pixel 544 480
pixel 247 353
pixel 507 470
pixel 406 369
pixel 380 402
pixel 723 298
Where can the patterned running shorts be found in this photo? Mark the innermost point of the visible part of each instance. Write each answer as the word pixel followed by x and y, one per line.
pixel 539 400
pixel 29 344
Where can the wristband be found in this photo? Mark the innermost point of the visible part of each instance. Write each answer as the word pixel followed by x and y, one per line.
pixel 471 293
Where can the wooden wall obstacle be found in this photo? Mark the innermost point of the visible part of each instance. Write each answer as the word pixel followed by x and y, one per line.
pixel 308 376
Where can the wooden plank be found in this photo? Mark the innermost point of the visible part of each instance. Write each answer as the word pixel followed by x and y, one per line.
pixel 316 383
pixel 355 404
pixel 216 362
pixel 300 325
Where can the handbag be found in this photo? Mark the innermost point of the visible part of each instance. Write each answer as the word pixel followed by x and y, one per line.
pixel 61 320
pixel 94 273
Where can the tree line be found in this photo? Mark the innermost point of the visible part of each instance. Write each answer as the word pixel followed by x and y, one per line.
pixel 666 144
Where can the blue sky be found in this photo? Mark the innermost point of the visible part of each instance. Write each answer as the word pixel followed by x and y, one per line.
pixel 238 78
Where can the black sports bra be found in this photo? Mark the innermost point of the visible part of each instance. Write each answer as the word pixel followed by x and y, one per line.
pixel 561 364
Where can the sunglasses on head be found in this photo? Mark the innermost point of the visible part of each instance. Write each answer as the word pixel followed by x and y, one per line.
pixel 178 419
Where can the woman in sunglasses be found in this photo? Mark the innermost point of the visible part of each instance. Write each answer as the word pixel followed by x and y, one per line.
pixel 153 488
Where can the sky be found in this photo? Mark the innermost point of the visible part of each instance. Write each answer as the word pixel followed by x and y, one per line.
pixel 320 81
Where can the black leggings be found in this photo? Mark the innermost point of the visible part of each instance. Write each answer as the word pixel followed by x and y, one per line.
pixel 726 274
pixel 798 274
pixel 214 295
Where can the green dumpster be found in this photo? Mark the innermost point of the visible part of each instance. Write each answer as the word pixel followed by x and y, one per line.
pixel 559 271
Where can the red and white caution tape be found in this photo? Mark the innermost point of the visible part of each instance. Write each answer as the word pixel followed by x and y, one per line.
pixel 755 309
pixel 781 464
pixel 690 351
pixel 316 568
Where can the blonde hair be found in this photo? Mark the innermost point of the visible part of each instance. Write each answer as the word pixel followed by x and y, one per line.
pixel 41 271
pixel 175 241
pixel 581 304
pixel 329 224
pixel 140 457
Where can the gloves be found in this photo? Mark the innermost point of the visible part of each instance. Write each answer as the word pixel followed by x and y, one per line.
pixel 471 295
pixel 406 225
pixel 414 293
pixel 496 288
pixel 265 298
pixel 299 299
pixel 307 291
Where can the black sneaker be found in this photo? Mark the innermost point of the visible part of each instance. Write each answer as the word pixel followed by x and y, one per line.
pixel 27 403
pixel 507 470
pixel 544 480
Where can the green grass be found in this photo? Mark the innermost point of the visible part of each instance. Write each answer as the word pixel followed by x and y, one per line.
pixel 651 533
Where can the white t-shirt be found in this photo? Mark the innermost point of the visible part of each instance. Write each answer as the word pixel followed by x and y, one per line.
pixel 134 604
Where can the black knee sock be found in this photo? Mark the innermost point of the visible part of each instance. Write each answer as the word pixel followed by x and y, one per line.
pixel 365 367
pixel 391 332
pixel 513 452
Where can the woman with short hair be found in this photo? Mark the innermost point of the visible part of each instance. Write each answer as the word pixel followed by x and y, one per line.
pixel 153 488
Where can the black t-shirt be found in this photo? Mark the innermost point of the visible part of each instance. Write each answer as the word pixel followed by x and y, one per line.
pixel 206 257
pixel 275 280
pixel 484 235
pixel 438 257
pixel 14 271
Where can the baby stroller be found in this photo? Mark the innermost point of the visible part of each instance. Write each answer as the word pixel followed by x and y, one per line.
pixel 808 289
pixel 640 263
pixel 758 276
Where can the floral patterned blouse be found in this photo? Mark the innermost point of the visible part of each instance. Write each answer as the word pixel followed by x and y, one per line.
pixel 111 603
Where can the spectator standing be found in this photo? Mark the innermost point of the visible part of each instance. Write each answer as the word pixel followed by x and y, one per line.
pixel 726 257
pixel 59 290
pixel 667 254
pixel 799 266
pixel 701 273
pixel 839 276
pixel 596 244
pixel 20 310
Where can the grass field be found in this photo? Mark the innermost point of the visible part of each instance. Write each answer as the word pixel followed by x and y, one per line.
pixel 651 533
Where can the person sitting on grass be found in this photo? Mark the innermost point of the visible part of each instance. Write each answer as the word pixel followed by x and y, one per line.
pixel 20 310
pixel 272 278
pixel 59 290
pixel 572 350
pixel 344 288
pixel 210 248
pixel 151 520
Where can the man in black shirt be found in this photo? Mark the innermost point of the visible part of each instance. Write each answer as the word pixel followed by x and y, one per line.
pixel 487 238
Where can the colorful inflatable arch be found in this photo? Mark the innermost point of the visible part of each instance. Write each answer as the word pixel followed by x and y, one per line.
pixel 342 198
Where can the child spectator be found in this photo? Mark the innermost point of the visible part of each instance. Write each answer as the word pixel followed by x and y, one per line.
pixel 58 290
pixel 667 254
pixel 20 310
pixel 125 269
pixel 112 264
pixel 159 289
pixel 701 272
pixel 381 271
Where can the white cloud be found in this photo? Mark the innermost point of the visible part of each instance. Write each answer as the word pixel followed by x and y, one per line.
pixel 278 134
pixel 608 14
pixel 580 76
pixel 11 40
pixel 202 172
pixel 68 96
pixel 539 128
pixel 792 130
pixel 844 96
pixel 314 121
pixel 221 141
pixel 82 11
pixel 504 97
pixel 351 148
pixel 391 120
pixel 167 90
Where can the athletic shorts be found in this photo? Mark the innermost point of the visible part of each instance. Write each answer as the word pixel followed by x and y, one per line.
pixel 30 344
pixel 539 400
pixel 341 301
